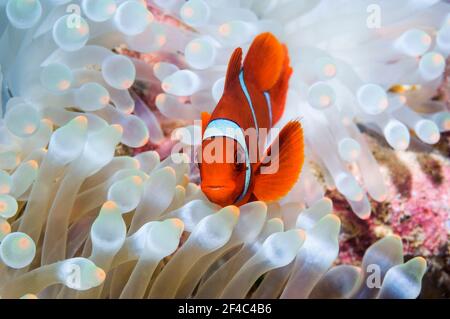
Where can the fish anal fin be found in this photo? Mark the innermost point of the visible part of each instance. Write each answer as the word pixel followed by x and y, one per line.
pixel 264 61
pixel 234 67
pixel 281 166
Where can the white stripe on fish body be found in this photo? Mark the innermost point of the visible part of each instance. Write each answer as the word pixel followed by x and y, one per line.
pixel 250 104
pixel 249 100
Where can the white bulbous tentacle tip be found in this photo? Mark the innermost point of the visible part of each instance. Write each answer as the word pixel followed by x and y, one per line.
pixel 22 119
pixel 326 68
pixel 326 203
pixel 431 65
pixel 80 274
pixel 404 280
pixel 418 265
pixel 92 97
pixel 372 98
pixel 119 71
pixel 397 135
pixel 110 135
pixel 164 237
pixel 181 83
pixel 321 95
pixel 164 172
pixel 349 149
pixel 195 12
pixel 73 133
pixel 365 215
pixel 349 187
pixel 230 214
pixel 48 122
pixel 147 160
pixel 427 131
pixel 80 121
pixel 126 193
pixel 236 32
pixel 392 242
pixel 118 128
pixel 99 10
pixel 163 69
pixel 256 205
pixel 137 180
pixel 326 229
pixel 108 231
pixel 132 18
pixel 200 53
pixel 8 206
pixel 56 77
pixel 23 14
pixel 442 120
pixel 414 42
pixel 176 224
pixel 17 250
pixel 381 197
pixel 214 231
pixel 308 218
pixel 251 220
pixel 109 207
pixel 71 35
pixel 98 277
pixel 282 247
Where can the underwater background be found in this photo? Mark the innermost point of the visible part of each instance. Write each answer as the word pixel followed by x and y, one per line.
pixel 99 96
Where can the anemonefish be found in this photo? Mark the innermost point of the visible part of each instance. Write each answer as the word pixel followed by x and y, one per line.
pixel 254 97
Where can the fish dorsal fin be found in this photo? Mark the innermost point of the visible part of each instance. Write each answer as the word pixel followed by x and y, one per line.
pixel 205 120
pixel 271 181
pixel 264 61
pixel 234 67
pixel 278 92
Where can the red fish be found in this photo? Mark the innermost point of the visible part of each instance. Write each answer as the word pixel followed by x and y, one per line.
pixel 254 98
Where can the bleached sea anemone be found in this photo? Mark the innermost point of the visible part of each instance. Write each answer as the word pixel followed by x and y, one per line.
pixel 79 221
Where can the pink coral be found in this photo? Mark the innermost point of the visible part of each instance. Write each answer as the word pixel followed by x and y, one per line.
pixel 417 209
pixel 421 219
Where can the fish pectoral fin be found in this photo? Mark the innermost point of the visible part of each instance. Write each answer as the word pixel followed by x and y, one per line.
pixel 205 120
pixel 264 61
pixel 280 167
pixel 234 67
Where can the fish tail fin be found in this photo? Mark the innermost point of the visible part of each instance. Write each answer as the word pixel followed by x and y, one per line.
pixel 278 92
pixel 264 61
pixel 281 166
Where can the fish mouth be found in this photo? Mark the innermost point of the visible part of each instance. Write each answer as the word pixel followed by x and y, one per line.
pixel 216 187
pixel 219 194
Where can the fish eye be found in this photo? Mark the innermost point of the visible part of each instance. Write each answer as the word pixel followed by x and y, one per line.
pixel 239 166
